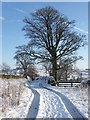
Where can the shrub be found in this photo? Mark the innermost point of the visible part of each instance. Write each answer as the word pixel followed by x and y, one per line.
pixel 51 81
pixel 10 76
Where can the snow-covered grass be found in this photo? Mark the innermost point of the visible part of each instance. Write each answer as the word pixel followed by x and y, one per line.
pixel 13 95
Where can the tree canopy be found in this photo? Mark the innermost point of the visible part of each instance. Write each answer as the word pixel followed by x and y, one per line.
pixel 52 37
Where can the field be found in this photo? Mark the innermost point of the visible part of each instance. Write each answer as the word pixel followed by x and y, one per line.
pixel 19 98
pixel 11 91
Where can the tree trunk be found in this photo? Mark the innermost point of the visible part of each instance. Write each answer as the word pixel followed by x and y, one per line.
pixel 54 69
pixel 25 73
pixel 66 75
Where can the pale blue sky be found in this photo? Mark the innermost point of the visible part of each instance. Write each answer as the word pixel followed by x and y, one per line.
pixel 14 13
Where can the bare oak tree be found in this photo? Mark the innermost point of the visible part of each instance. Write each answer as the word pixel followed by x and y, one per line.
pixel 52 36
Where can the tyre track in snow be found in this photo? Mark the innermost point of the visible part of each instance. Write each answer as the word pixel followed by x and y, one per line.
pixel 33 110
pixel 56 105
pixel 74 112
pixel 54 108
pixel 53 105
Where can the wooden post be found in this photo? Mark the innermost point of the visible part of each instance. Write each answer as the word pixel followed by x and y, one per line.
pixel 71 84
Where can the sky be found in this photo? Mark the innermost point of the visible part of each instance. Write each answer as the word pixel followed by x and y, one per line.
pixel 12 17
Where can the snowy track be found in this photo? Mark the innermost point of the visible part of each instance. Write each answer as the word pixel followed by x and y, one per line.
pixel 74 112
pixel 49 103
pixel 33 110
pixel 54 107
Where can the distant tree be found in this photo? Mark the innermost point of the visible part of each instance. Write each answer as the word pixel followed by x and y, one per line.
pixel 32 72
pixel 78 74
pixel 23 60
pixel 5 69
pixel 48 67
pixel 0 69
pixel 52 36
pixel 14 71
pixel 66 67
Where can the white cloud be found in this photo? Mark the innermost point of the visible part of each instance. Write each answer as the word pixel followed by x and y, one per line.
pixel 21 11
pixel 2 18
pixel 81 30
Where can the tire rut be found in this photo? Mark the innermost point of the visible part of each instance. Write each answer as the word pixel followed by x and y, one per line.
pixel 75 113
pixel 33 110
pixel 55 107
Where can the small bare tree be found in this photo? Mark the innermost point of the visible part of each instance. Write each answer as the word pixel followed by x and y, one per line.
pixel 24 61
pixel 5 69
pixel 66 67
pixel 48 67
pixel 32 72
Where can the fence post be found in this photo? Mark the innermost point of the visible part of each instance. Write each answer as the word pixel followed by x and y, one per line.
pixel 71 84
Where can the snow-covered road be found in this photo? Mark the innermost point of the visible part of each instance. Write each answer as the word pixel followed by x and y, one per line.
pixel 48 103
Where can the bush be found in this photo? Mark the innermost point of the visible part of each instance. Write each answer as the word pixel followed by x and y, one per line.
pixel 10 76
pixel 51 81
